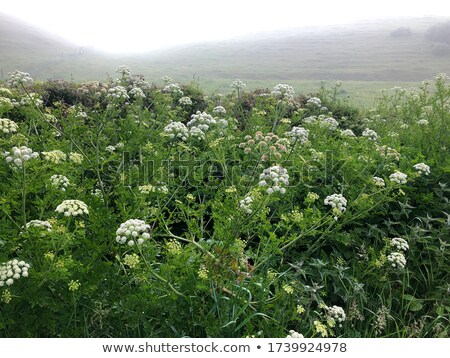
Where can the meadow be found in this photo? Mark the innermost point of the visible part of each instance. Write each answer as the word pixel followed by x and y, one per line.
pixel 131 209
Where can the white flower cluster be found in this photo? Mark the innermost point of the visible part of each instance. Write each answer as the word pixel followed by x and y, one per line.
pixel 337 313
pixel 422 168
pixel 72 208
pixel 328 122
pixel 276 178
pixel 167 79
pixel 136 92
pixel 197 133
pixel 298 134
pixel 19 156
pixel 398 177
pixel 246 204
pixel 323 121
pixel 202 122
pixel 377 181
pixel 185 101
pixel 110 148
pixel 283 92
pixel 6 104
pixel 370 134
pixel 219 110
pixel 38 223
pixel 314 102
pixel 337 202
pixel 238 84
pixel 422 122
pixel 13 270
pixel 177 130
pixel 397 260
pixel 7 125
pixel 347 133
pixel 173 88
pixel 400 244
pixel 18 78
pixel 124 70
pixel 118 92
pixel 294 334
pixel 76 158
pixel 32 99
pixel 60 182
pixel 54 156
pixel 133 231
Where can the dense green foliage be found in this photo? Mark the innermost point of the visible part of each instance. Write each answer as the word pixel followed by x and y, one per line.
pixel 354 244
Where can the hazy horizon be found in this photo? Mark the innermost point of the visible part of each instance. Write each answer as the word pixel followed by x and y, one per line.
pixel 139 26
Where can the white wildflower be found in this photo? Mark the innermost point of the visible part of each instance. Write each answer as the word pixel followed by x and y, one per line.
pixel 422 168
pixel 298 134
pixel 38 223
pixel 19 156
pixel 177 130
pixel 136 92
pixel 276 178
pixel 185 101
pixel 219 110
pixel 117 93
pixel 60 182
pixel 377 181
pixel 400 244
pixel 398 177
pixel 72 208
pixel 294 334
pixel 314 102
pixel 54 156
pixel 397 260
pixel 13 270
pixel 337 314
pixel 347 133
pixel 370 134
pixel 246 204
pixel 238 84
pixel 7 126
pixel 133 231
pixel 18 78
pixel 283 92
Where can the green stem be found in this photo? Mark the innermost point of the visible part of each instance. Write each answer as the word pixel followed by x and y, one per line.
pixel 24 197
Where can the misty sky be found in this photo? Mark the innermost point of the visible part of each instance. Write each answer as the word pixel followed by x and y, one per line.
pixel 141 25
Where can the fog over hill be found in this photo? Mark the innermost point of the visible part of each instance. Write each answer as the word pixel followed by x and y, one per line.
pixel 385 50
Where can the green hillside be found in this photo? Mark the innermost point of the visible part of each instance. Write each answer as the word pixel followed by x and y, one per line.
pixel 365 57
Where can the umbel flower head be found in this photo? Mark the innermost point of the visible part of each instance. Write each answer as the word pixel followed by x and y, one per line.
pixel 72 208
pixel 177 130
pixel 133 231
pixel 422 168
pixel 398 177
pixel 59 182
pixel 18 78
pixel 276 178
pixel 44 225
pixel 7 126
pixel 12 270
pixel 19 156
pixel 294 334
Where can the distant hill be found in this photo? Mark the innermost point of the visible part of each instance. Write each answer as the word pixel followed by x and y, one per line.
pixel 27 48
pixel 390 51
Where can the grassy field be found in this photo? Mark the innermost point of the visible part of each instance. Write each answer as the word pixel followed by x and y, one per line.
pixel 365 57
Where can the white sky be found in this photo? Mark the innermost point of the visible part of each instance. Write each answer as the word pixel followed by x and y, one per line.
pixel 140 25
